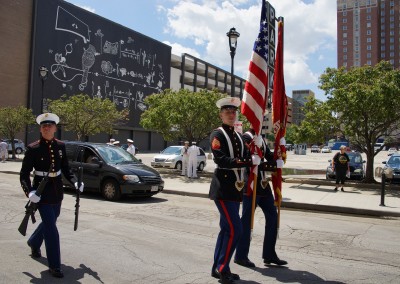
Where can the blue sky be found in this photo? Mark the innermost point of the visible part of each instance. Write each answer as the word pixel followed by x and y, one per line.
pixel 199 27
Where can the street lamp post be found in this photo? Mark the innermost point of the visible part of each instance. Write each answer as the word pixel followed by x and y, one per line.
pixel 233 36
pixel 43 76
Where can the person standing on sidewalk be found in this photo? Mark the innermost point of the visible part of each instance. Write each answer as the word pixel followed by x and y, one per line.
pixel 193 152
pixel 185 158
pixel 47 157
pixel 340 164
pixel 3 151
pixel 265 200
pixel 231 158
pixel 131 147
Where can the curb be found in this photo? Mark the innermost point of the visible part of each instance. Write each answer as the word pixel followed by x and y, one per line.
pixel 306 206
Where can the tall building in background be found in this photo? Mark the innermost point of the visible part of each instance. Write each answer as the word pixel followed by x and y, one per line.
pixel 299 99
pixel 368 32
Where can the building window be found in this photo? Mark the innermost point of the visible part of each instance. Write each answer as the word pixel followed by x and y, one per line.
pixel 391 19
pixel 383 41
pixel 344 64
pixel 368 17
pixel 391 61
pixel 344 49
pixel 369 47
pixel 391 47
pixel 369 10
pixel 344 13
pixel 344 20
pixel 357 40
pixel 344 28
pixel 368 55
pixel 391 33
pixel 345 42
pixel 369 39
pixel 356 55
pixel 391 40
pixel 344 57
pixel 392 26
pixel 392 54
pixel 344 35
pixel 368 32
pixel 368 25
pixel 369 62
pixel 383 55
pixel 383 47
pixel 356 48
pixel 383 34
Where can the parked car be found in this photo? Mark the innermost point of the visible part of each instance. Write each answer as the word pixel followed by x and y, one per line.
pixel 393 163
pixel 391 151
pixel 112 171
pixel 357 167
pixel 326 149
pixel 19 146
pixel 315 149
pixel 171 157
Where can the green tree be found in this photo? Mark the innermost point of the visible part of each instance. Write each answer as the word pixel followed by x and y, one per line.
pixel 366 102
pixel 182 114
pixel 14 120
pixel 319 123
pixel 87 116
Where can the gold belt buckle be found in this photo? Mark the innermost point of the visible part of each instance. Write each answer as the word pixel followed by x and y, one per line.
pixel 53 174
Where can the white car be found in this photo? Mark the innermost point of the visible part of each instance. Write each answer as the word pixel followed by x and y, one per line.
pixel 171 157
pixel 19 146
pixel 326 149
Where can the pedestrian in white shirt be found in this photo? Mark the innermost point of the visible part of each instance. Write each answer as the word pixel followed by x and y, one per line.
pixel 131 149
pixel 194 151
pixel 3 151
pixel 185 158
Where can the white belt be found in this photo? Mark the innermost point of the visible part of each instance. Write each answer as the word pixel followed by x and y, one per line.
pixel 51 174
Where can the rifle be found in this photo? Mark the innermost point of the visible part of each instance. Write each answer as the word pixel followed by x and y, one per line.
pixel 30 207
pixel 78 193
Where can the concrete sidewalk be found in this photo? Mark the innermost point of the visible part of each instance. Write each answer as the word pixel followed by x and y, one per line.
pixel 299 192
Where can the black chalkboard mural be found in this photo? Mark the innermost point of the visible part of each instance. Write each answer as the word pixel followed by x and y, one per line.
pixel 88 54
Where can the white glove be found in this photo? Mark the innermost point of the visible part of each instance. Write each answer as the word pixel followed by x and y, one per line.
pixel 33 197
pixel 282 141
pixel 258 140
pixel 256 160
pixel 81 188
pixel 279 163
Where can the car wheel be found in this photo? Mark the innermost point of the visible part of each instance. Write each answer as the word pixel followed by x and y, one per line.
pixel 178 166
pixel 18 151
pixel 200 168
pixel 110 190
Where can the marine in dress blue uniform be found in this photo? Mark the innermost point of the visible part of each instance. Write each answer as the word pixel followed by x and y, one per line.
pixel 265 201
pixel 47 156
pixel 231 157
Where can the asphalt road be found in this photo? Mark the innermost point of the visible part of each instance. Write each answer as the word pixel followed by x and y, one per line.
pixel 171 238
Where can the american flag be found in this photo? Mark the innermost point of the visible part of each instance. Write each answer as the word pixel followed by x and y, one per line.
pixel 256 87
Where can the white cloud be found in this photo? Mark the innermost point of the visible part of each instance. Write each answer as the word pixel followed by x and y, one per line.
pixel 87 8
pixel 310 29
pixel 178 49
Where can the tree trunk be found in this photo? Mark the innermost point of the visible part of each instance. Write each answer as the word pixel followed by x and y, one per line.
pixel 369 175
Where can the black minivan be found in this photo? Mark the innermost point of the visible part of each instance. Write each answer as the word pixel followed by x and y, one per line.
pixel 112 171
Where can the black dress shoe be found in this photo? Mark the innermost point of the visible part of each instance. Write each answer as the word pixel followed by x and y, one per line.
pixel 276 261
pixel 215 273
pixel 35 253
pixel 225 278
pixel 245 262
pixel 56 272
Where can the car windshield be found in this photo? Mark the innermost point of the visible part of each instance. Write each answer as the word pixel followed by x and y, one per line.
pixel 172 151
pixel 355 158
pixel 115 155
pixel 394 160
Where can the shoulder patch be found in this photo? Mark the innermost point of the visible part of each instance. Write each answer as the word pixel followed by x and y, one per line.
pixel 216 145
pixel 33 144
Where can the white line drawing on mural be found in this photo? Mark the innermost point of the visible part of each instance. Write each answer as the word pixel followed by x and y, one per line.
pixel 111 48
pixel 68 49
pixel 100 34
pixel 88 59
pixel 65 21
